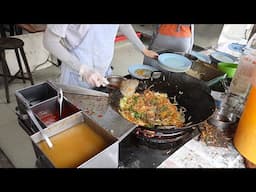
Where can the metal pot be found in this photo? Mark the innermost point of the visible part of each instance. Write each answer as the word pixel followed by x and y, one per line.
pixel 222 119
pixel 115 81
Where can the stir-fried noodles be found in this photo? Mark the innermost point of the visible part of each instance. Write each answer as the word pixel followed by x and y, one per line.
pixel 150 109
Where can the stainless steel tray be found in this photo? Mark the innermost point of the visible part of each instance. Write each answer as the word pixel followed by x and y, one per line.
pixel 96 105
pixel 206 72
pixel 107 158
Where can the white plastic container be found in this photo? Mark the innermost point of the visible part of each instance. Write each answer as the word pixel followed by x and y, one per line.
pixel 240 83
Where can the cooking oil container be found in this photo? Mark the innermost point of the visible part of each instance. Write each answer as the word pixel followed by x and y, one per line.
pixel 78 142
pixel 245 136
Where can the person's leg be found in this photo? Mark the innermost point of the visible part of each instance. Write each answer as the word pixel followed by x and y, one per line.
pixel 2 30
pixel 18 30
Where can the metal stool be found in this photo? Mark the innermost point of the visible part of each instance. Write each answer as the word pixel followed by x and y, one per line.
pixel 16 45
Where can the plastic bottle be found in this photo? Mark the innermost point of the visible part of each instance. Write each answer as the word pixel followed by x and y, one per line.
pixel 245 136
pixel 241 84
pixel 241 81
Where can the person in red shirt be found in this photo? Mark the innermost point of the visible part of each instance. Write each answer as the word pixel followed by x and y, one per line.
pixel 173 37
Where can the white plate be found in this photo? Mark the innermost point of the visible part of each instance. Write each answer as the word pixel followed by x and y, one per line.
pixel 174 62
pixel 201 56
pixel 236 47
pixel 223 57
pixel 173 70
pixel 144 73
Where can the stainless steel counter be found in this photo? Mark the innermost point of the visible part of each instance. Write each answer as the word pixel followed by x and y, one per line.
pixel 186 153
pixel 95 104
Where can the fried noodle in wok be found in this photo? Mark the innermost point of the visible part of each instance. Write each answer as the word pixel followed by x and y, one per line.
pixel 150 109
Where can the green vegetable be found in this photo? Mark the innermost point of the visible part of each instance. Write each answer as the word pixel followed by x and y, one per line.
pixel 150 126
pixel 123 102
pixel 137 115
pixel 135 99
pixel 163 108
pixel 154 101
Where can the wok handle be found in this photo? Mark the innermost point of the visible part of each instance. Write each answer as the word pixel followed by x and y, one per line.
pixel 215 80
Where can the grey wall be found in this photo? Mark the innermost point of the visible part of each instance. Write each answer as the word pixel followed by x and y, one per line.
pixel 207 35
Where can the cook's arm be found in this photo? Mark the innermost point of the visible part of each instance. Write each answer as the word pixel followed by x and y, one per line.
pixel 130 33
pixel 52 42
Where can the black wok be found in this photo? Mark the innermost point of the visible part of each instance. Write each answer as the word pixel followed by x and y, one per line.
pixel 191 93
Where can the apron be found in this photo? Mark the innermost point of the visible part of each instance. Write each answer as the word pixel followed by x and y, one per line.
pixel 173 37
pixel 175 40
pixel 96 50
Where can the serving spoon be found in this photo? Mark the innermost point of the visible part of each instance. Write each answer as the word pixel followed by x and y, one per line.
pixel 60 101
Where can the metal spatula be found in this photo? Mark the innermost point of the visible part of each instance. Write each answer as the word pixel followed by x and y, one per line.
pixel 129 86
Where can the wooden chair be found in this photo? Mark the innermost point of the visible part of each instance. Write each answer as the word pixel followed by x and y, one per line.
pixel 7 43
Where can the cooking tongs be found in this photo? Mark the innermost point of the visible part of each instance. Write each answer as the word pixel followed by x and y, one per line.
pixel 33 118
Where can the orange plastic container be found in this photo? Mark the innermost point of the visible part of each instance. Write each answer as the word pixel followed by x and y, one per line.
pixel 245 136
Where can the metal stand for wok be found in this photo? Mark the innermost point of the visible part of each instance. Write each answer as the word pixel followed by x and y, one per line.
pixel 160 140
pixel 135 152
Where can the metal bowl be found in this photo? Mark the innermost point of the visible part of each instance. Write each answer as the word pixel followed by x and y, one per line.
pixel 222 120
pixel 115 81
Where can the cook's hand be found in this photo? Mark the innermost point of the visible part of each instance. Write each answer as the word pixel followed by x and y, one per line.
pixel 150 53
pixel 93 77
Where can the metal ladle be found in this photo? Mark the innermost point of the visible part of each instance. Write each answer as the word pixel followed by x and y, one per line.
pixel 60 101
pixel 46 138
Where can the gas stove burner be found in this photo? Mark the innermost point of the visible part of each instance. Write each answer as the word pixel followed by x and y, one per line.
pixel 139 151
pixel 158 135
pixel 158 140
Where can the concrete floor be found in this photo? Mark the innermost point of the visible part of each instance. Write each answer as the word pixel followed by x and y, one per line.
pixel 4 161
